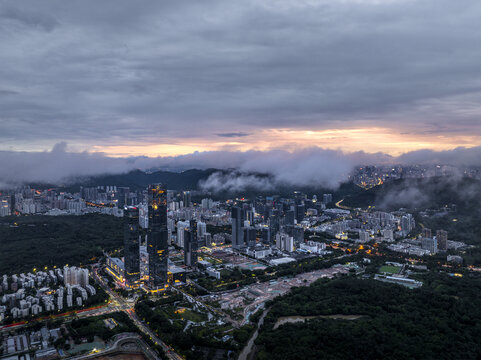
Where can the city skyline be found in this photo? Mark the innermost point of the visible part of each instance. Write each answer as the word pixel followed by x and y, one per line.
pixel 225 179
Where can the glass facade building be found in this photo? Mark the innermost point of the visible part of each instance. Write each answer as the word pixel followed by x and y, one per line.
pixel 131 246
pixel 157 240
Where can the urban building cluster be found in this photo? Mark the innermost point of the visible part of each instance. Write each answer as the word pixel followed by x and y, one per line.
pixel 271 229
pixel 128 270
pixel 366 226
pixel 30 294
pixel 427 244
pixel 38 342
pixel 102 199
pixel 369 176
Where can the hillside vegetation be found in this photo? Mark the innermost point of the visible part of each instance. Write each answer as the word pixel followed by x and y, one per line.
pixel 28 242
pixel 439 321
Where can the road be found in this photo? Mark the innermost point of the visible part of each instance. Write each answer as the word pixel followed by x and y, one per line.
pixel 117 346
pixel 247 350
pixel 116 303
pixel 338 204
pixel 83 313
pixel 120 304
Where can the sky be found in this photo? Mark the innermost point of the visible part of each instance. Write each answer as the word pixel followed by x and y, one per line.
pixel 164 79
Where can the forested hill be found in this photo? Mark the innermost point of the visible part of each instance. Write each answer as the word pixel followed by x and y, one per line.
pixel 29 242
pixel 365 319
pixel 138 179
pixel 408 193
pixel 191 180
pixel 434 192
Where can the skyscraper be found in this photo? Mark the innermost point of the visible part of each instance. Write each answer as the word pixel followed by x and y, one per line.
pixel 266 235
pixel 284 242
pixel 300 212
pixel 201 229
pixel 290 217
pixel 131 246
pixel 181 226
pixel 251 216
pixel 250 236
pixel 237 231
pixel 122 195
pixel 190 245
pixel 186 200
pixel 157 242
pixel 407 223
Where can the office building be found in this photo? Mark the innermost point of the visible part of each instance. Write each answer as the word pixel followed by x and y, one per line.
pixel 250 236
pixel 250 214
pixel 266 235
pixel 274 223
pixel 116 268
pixel 300 212
pixel 187 199
pixel 143 216
pixel 284 242
pixel 122 196
pixel 237 229
pixel 290 217
pixel 170 195
pixel 157 241
pixel 190 245
pixel 131 246
pixel 4 207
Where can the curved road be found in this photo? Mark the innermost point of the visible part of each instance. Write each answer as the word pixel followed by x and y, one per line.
pixel 246 351
pixel 122 305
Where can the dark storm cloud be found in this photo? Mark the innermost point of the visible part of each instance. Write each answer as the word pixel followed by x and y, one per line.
pixel 233 135
pixel 459 156
pixel 28 18
pixel 89 71
pixel 4 92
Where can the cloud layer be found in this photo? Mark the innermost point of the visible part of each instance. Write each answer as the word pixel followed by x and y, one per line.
pixel 307 167
pixel 164 72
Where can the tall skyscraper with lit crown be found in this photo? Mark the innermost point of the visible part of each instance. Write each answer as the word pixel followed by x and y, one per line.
pixel 157 241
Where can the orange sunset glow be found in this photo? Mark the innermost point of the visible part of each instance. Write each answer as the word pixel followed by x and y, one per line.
pixel 371 140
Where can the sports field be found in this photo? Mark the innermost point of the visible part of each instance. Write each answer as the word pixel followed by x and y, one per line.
pixel 390 269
